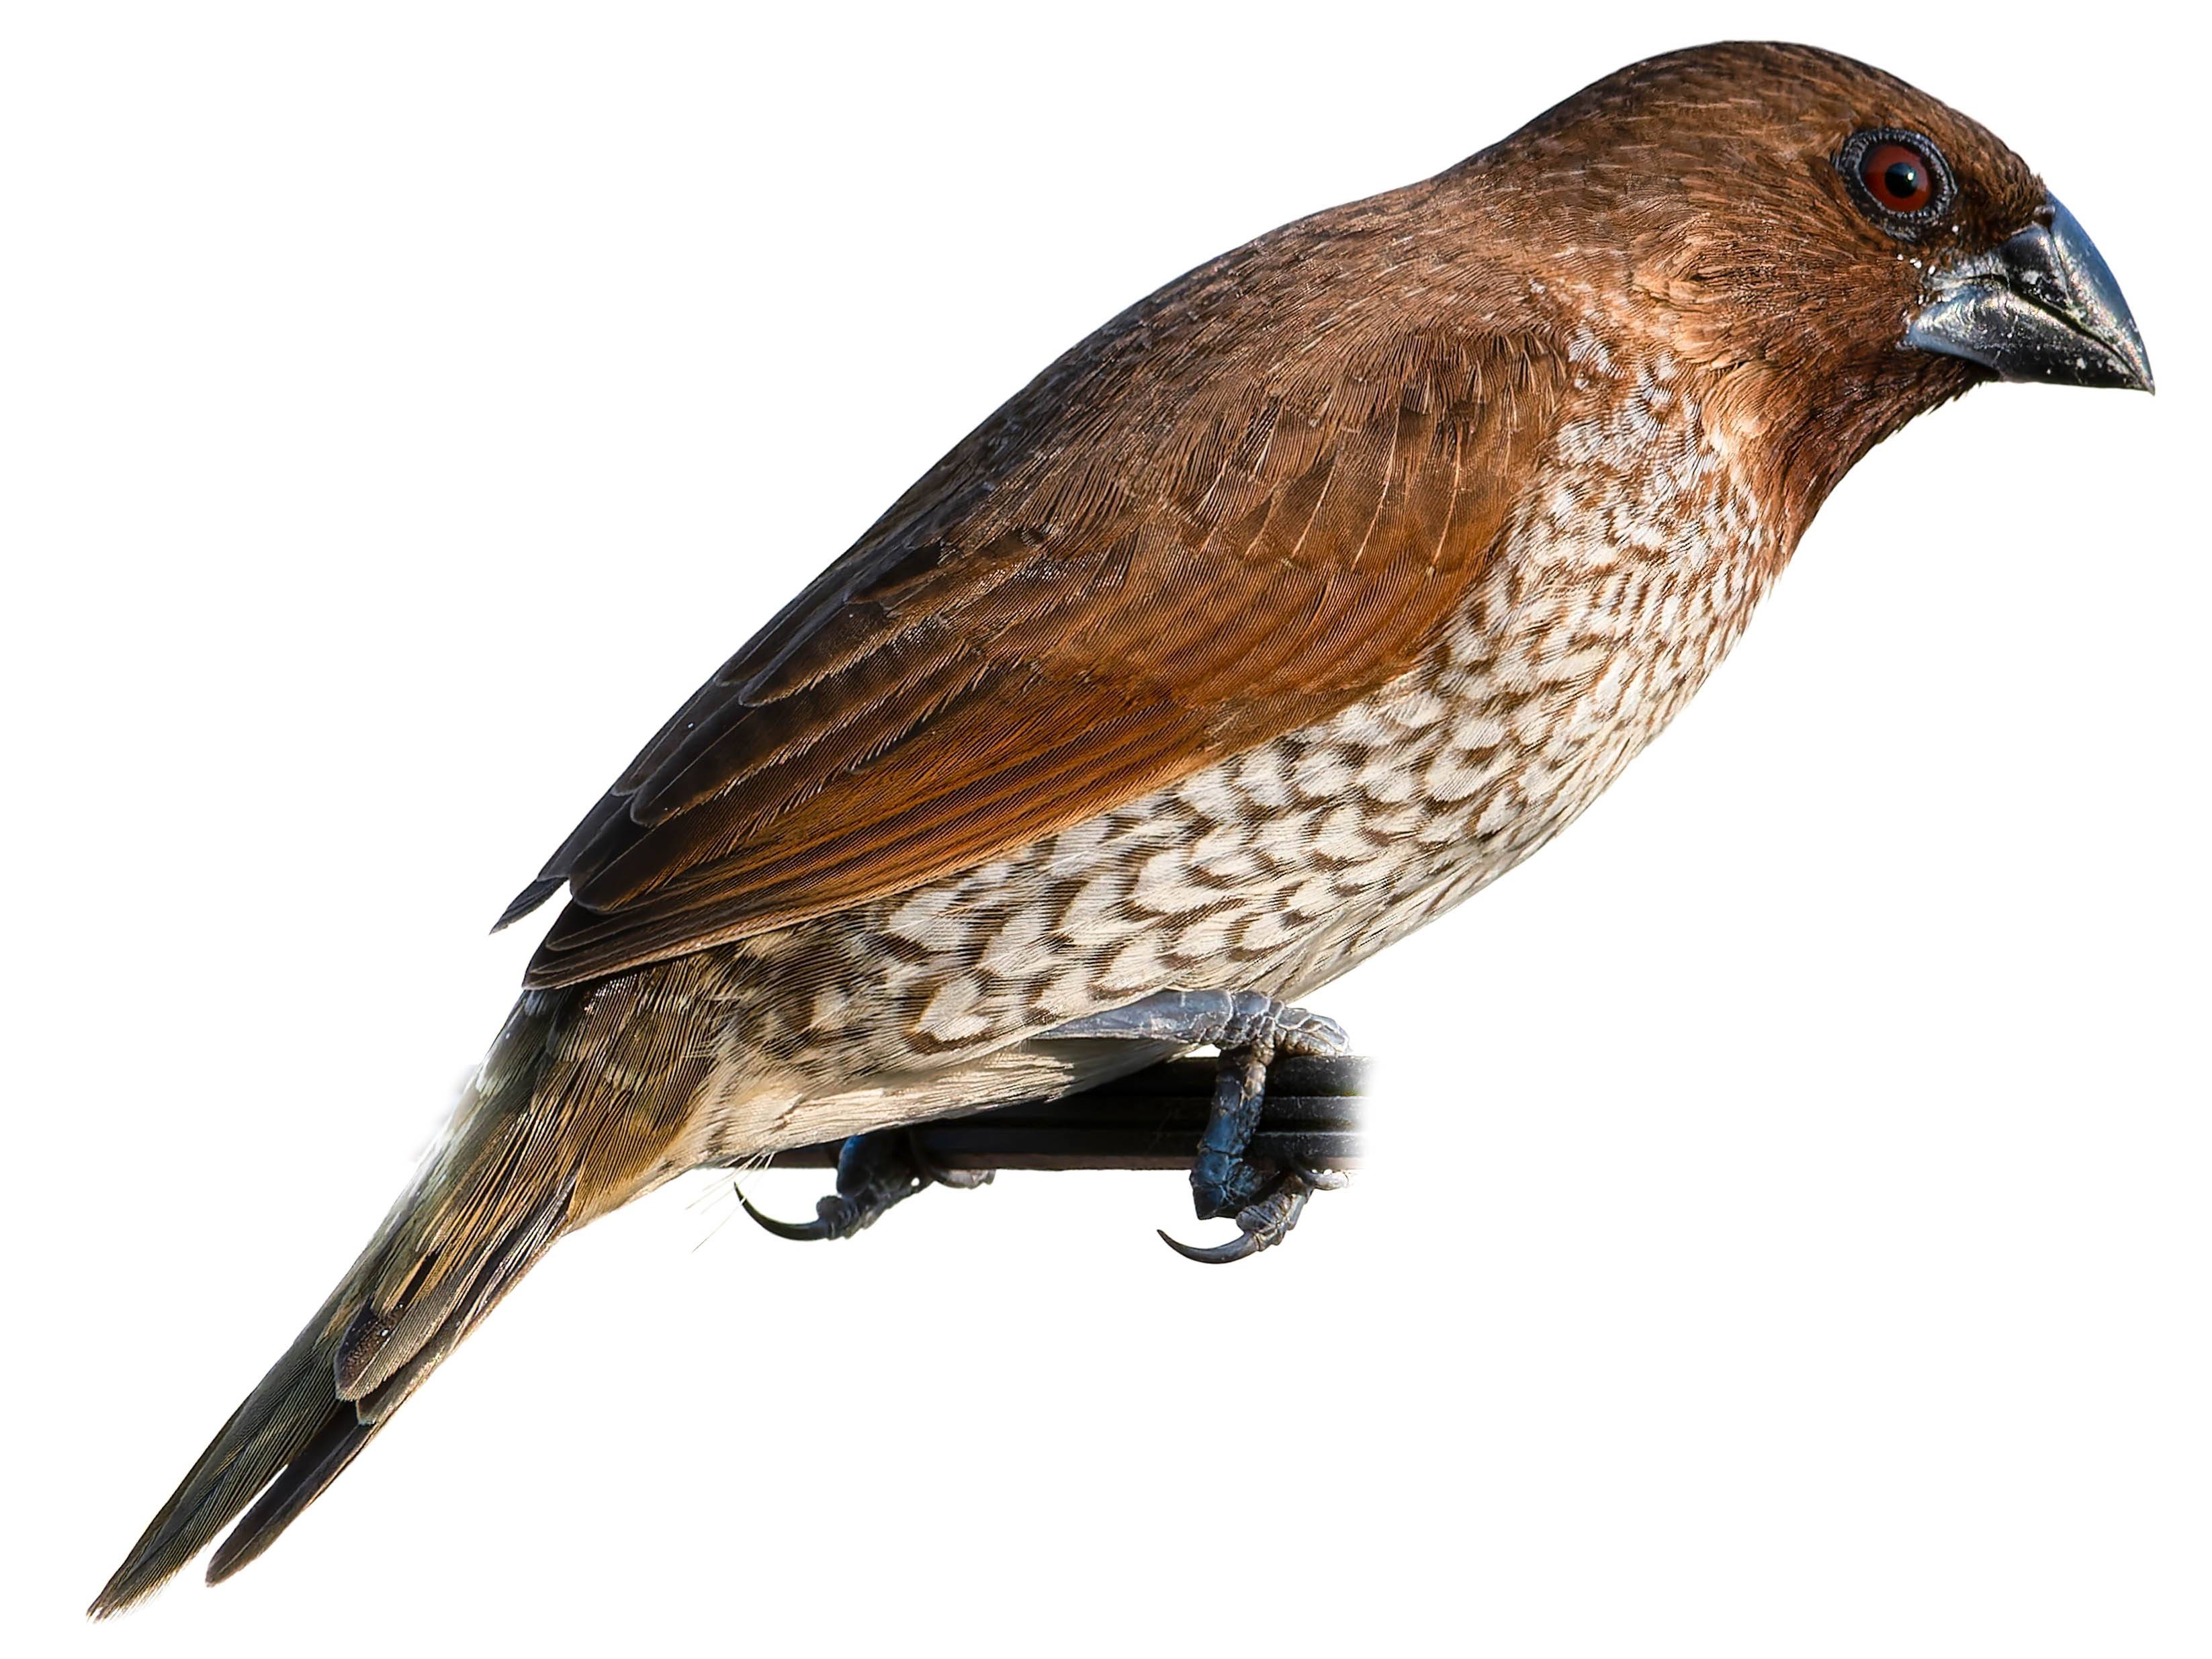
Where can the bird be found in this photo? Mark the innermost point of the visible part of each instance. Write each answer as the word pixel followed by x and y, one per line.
pixel 1289 609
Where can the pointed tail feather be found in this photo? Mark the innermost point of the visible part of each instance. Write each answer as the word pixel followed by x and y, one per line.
pixel 277 1422
pixel 298 1484
pixel 351 1424
pixel 490 1202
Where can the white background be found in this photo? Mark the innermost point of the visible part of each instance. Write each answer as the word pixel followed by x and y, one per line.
pixel 1788 1234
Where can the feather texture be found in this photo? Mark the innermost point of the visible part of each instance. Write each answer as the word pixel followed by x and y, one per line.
pixel 1031 636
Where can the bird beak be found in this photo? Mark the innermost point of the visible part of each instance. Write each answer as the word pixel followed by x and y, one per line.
pixel 2040 306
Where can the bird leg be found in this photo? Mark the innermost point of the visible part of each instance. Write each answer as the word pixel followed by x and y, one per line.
pixel 1250 1029
pixel 874 1172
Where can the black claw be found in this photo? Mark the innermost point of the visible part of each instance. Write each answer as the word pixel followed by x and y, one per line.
pixel 1263 1224
pixel 874 1172
pixel 1235 1250
pixel 798 1230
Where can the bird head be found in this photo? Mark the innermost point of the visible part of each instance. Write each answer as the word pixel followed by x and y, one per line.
pixel 1839 249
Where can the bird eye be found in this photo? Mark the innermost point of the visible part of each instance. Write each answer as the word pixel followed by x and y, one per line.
pixel 1899 177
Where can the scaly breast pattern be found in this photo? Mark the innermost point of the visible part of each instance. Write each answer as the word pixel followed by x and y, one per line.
pixel 1624 580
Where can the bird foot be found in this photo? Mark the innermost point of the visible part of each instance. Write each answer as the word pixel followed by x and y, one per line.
pixel 1250 1029
pixel 1267 1220
pixel 875 1171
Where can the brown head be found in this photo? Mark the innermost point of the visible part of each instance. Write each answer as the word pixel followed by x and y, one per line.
pixel 1843 251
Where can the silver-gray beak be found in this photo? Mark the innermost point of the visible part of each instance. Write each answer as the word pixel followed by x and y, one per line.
pixel 2040 306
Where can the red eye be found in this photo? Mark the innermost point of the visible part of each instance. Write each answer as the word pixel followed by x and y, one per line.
pixel 1898 176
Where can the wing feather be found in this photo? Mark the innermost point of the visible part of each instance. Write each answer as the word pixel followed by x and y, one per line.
pixel 1236 509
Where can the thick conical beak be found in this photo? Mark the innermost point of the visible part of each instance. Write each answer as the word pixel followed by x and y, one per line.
pixel 2041 306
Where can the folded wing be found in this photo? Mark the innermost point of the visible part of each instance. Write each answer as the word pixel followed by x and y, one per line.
pixel 1166 550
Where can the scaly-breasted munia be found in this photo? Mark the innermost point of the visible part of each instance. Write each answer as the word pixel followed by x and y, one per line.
pixel 1299 602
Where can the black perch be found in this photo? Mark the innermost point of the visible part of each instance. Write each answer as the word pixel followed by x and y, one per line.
pixel 1151 1121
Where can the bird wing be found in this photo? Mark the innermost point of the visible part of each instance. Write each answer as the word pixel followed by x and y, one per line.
pixel 1228 515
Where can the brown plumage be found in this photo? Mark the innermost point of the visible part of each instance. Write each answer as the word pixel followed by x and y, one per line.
pixel 1295 605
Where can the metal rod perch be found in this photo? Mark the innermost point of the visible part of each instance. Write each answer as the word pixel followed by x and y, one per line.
pixel 1150 1120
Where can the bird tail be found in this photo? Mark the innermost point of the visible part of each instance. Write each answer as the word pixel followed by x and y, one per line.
pixel 527 1157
